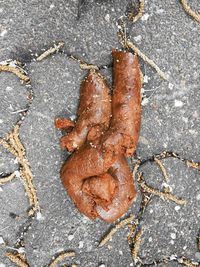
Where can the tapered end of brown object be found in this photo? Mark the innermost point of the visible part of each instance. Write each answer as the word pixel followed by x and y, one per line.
pixel 63 124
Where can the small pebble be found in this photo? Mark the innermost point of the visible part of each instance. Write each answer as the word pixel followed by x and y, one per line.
pixel 2 264
pixel 173 257
pixel 8 88
pixel 1 121
pixel 17 173
pixel 21 250
pixel 51 6
pixel 146 78
pixel 70 237
pixel 39 216
pixel 145 101
pixel 150 239
pixel 177 208
pixel 178 103
pixel 173 235
pixel 80 245
pixel 102 265
pixel 107 17
pixel 1 240
pixel 138 38
pixel 3 33
pixel 120 252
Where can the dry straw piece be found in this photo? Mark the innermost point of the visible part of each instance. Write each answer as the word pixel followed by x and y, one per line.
pixel 118 226
pixel 153 191
pixel 136 244
pixel 195 15
pixel 192 164
pixel 50 51
pixel 162 168
pixel 13 144
pixel 146 59
pixel 17 259
pixel 61 257
pixel 7 179
pixel 187 262
pixel 19 72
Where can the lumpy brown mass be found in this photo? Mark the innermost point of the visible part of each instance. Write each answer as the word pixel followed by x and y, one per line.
pixel 97 176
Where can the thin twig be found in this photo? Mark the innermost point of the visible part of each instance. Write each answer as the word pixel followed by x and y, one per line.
pixel 195 15
pixel 162 168
pixel 146 59
pixel 50 51
pixel 118 226
pixel 164 195
pixel 7 178
pixel 136 244
pixel 17 71
pixel 136 17
pixel 16 258
pixel 61 257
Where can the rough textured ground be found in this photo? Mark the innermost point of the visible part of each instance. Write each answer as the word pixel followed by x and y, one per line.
pixel 171 121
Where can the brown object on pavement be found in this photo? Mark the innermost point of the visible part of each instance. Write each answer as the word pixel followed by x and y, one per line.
pixel 97 176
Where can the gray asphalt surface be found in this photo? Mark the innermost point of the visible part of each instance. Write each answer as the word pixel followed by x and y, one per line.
pixel 171 121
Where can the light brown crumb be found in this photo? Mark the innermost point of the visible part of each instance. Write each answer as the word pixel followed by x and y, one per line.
pixel 118 226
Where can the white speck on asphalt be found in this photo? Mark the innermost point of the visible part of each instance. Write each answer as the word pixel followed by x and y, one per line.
pixel 177 208
pixel 1 240
pixel 81 244
pixel 107 17
pixel 70 237
pixel 198 196
pixel 3 33
pixel 138 38
pixel 173 235
pixel 178 103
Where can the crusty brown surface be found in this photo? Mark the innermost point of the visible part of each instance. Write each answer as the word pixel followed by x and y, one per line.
pixel 97 176
pixel 124 130
pixel 93 112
